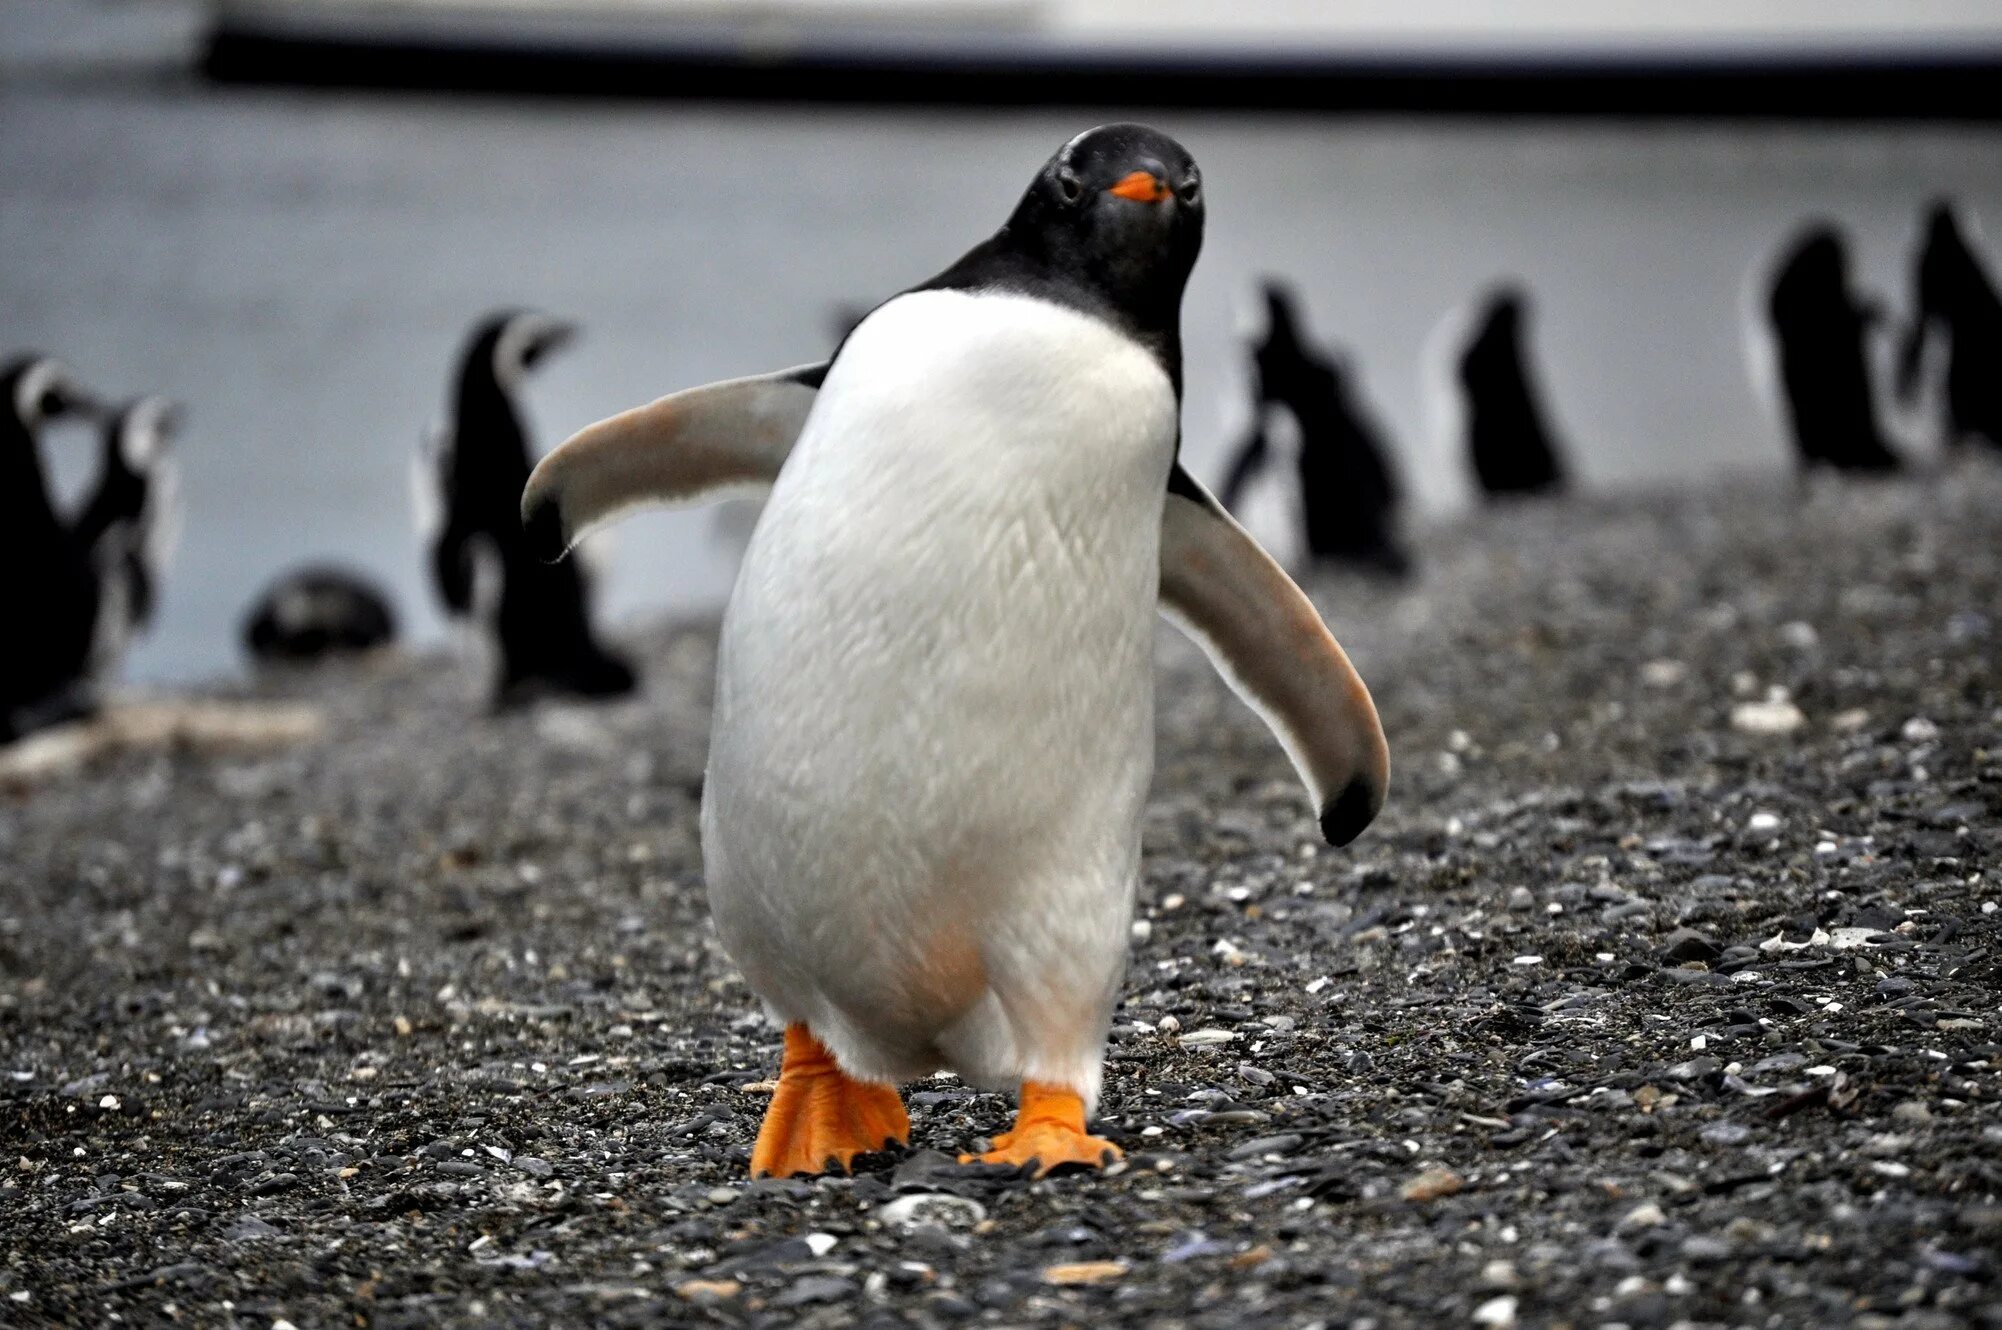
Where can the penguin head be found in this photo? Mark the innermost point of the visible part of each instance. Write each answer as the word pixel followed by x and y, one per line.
pixel 1119 211
pixel 507 344
pixel 142 430
pixel 41 389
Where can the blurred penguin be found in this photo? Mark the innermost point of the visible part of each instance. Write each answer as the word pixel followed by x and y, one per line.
pixel 52 590
pixel 1821 330
pixel 130 522
pixel 315 613
pixel 1509 441
pixel 1348 491
pixel 538 613
pixel 1955 304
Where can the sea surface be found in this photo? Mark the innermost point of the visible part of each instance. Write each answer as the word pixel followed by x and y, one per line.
pixel 300 270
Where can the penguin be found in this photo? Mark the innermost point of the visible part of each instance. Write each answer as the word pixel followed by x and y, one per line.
pixel 316 612
pixel 1954 300
pixel 54 594
pixel 538 613
pixel 1821 332
pixel 1509 442
pixel 932 734
pixel 1348 491
pixel 129 523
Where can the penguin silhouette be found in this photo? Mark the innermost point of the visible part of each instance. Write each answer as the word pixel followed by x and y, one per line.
pixel 52 593
pixel 1822 331
pixel 316 612
pixel 1508 438
pixel 1348 490
pixel 128 523
pixel 1954 300
pixel 538 613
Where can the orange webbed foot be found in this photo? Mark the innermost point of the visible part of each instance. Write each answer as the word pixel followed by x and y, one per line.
pixel 821 1117
pixel 1049 1132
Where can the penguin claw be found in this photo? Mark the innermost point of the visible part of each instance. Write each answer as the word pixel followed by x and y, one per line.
pixel 821 1118
pixel 1048 1135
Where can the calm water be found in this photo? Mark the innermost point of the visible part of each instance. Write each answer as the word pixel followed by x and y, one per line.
pixel 300 269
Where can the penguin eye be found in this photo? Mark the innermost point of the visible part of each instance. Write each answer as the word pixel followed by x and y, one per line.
pixel 1069 188
pixel 1192 189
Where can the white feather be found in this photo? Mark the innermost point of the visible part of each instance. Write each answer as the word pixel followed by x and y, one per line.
pixel 934 715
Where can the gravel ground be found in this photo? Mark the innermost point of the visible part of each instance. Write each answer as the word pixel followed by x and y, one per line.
pixel 1656 996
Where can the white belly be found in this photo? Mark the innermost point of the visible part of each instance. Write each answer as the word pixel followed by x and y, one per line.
pixel 934 716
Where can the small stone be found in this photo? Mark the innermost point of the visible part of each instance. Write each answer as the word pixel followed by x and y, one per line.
pixel 1762 821
pixel 1686 944
pixel 1645 1215
pixel 1726 1133
pixel 1919 730
pixel 1800 636
pixel 1498 1312
pixel 1209 1037
pixel 1663 673
pixel 721 1195
pixel 710 1290
pixel 1433 1184
pixel 810 1289
pixel 1773 716
pixel 1084 1272
pixel 1911 1113
pixel 1704 1249
pixel 1500 1274
pixel 1521 898
pixel 938 1208
pixel 1849 721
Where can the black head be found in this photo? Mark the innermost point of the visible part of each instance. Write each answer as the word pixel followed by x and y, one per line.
pixel 40 389
pixel 505 345
pixel 1111 224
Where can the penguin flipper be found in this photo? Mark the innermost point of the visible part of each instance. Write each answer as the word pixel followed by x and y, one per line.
pixel 1267 640
pixel 681 448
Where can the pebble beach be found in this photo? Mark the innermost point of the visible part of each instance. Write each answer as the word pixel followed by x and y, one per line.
pixel 1665 992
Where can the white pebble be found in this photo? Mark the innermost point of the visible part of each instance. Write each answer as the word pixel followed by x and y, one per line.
pixel 1496 1311
pixel 110 1102
pixel 1529 960
pixel 1919 730
pixel 1663 673
pixel 820 1243
pixel 1762 821
pixel 1778 716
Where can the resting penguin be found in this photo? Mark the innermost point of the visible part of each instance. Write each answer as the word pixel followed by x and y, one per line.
pixel 933 725
pixel 316 612
pixel 129 522
pixel 538 614
pixel 52 594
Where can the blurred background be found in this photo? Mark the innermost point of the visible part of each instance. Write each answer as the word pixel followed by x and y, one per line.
pixel 287 215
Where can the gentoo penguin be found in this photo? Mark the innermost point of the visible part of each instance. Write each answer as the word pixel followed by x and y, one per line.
pixel 1820 330
pixel 538 614
pixel 316 612
pixel 933 725
pixel 53 589
pixel 1348 492
pixel 1509 442
pixel 1954 300
pixel 129 522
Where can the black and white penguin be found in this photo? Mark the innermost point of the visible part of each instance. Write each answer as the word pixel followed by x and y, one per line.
pixel 1954 302
pixel 313 613
pixel 129 522
pixel 53 590
pixel 538 614
pixel 1509 441
pixel 1348 491
pixel 933 725
pixel 1821 331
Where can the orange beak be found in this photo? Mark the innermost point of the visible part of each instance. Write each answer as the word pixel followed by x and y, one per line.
pixel 1143 187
